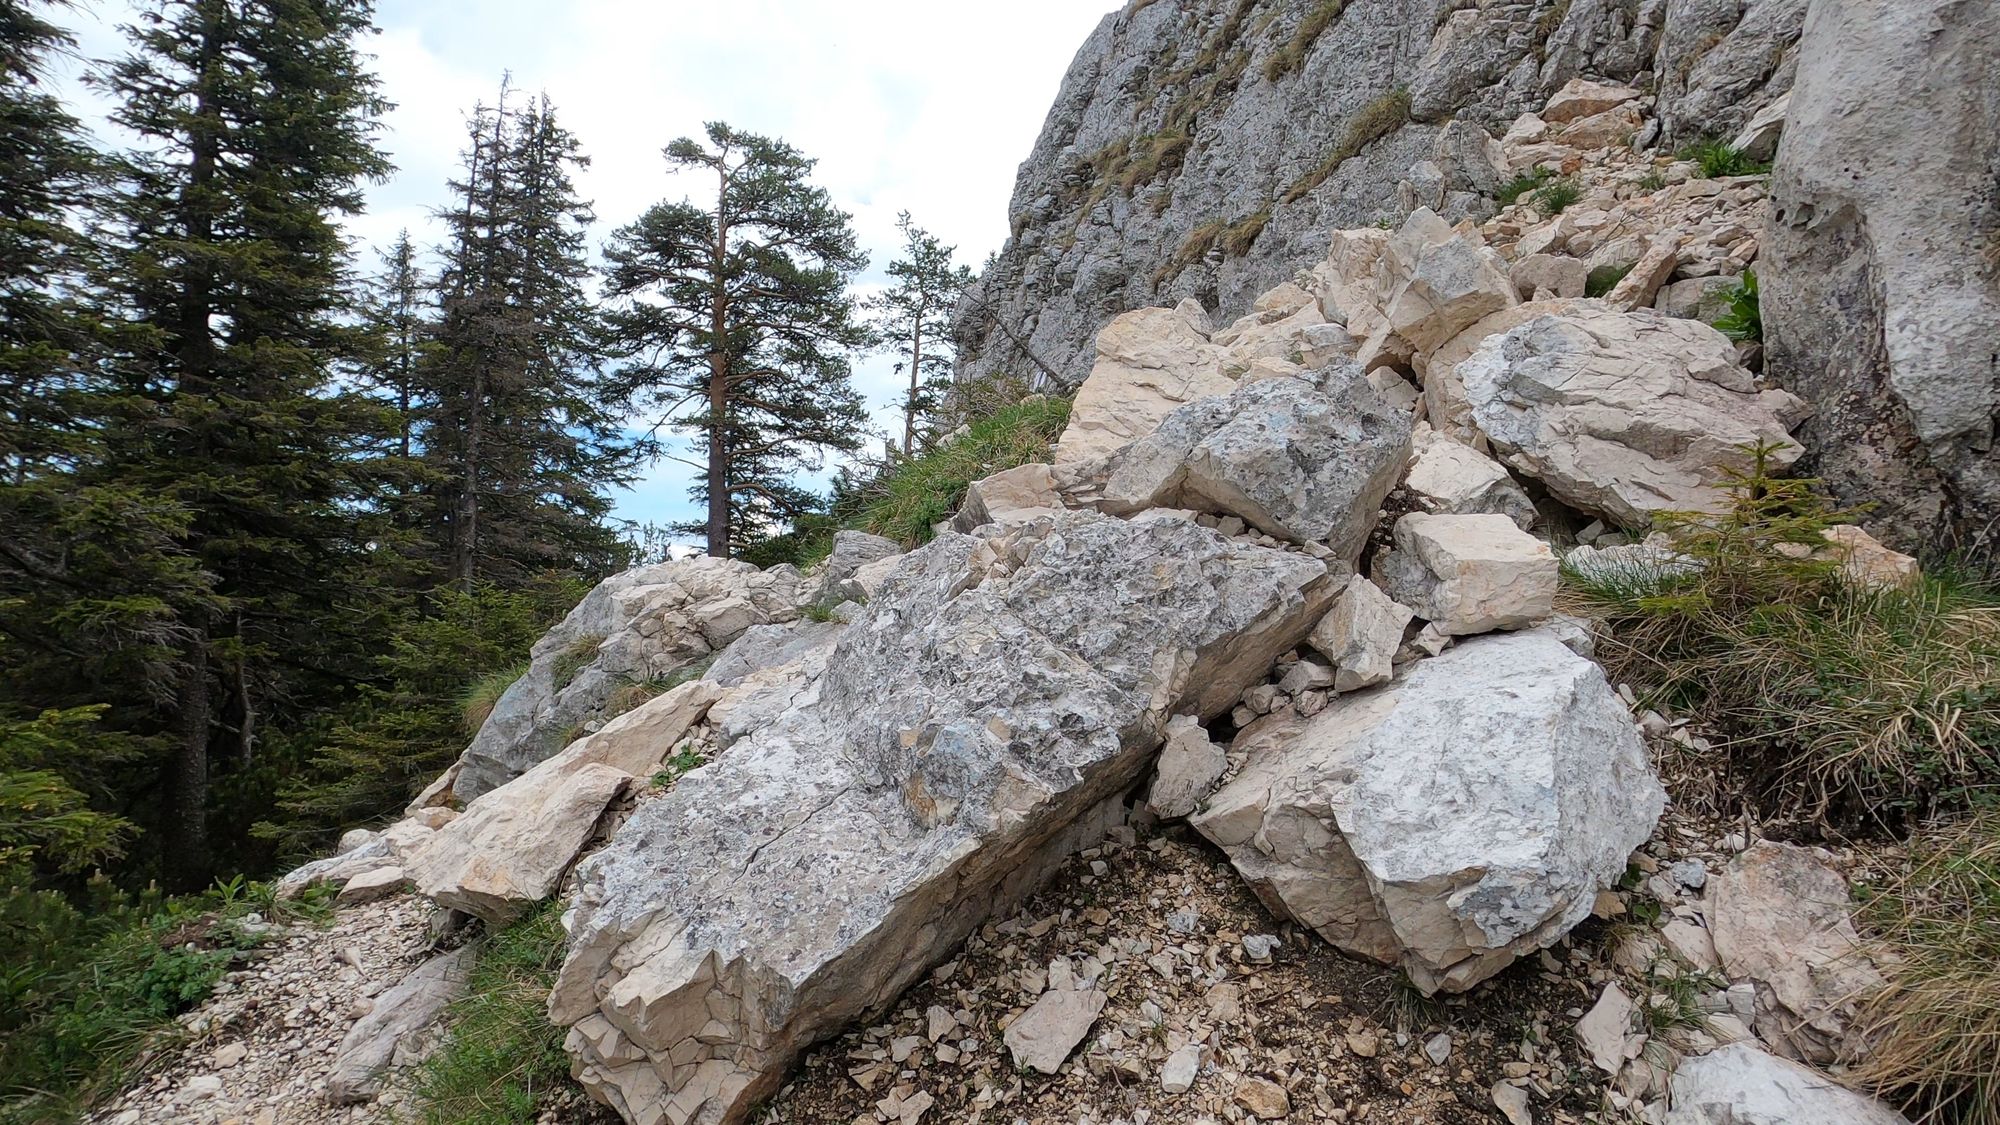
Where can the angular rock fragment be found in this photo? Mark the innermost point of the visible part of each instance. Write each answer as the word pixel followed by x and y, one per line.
pixel 1300 459
pixel 1581 97
pixel 1360 634
pixel 1470 574
pixel 1188 769
pixel 852 550
pixel 977 721
pixel 512 845
pixel 1440 281
pixel 1623 414
pixel 1044 1035
pixel 1741 1085
pixel 1450 478
pixel 1449 821
pixel 395 1030
pixel 1013 495
pixel 1780 917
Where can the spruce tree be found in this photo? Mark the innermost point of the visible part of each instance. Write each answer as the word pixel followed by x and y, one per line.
pixel 522 437
pixel 913 319
pixel 397 316
pixel 736 326
pixel 256 123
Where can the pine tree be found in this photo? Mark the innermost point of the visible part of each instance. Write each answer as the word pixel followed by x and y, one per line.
pixel 255 123
pixel 736 325
pixel 522 435
pixel 913 318
pixel 397 316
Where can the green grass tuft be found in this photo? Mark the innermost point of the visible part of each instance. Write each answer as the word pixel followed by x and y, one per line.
pixel 574 658
pixel 1745 319
pixel 915 493
pixel 1839 706
pixel 1522 184
pixel 477 704
pixel 1379 118
pixel 1604 279
pixel 1553 198
pixel 501 1060
pixel 1719 158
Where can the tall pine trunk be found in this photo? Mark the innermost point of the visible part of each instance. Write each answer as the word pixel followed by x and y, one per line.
pixel 718 383
pixel 185 829
pixel 916 385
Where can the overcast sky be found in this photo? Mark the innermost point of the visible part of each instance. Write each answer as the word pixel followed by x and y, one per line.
pixel 920 105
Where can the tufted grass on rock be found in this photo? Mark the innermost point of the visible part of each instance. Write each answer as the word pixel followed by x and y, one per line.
pixel 1553 198
pixel 1379 118
pixel 1522 184
pixel 1288 57
pixel 1604 279
pixel 477 704
pixel 1935 1026
pixel 916 493
pixel 501 1061
pixel 1841 708
pixel 1719 158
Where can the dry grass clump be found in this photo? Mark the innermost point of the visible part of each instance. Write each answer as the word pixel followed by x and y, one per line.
pixel 479 699
pixel 1376 120
pixel 1936 1026
pixel 1295 50
pixel 1842 706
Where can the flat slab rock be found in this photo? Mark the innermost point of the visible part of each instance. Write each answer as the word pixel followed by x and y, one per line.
pixel 1741 1085
pixel 991 697
pixel 1449 821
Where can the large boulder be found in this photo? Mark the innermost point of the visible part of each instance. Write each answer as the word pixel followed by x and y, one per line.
pixel 852 550
pixel 1623 414
pixel 1450 478
pixel 644 624
pixel 512 844
pixel 1741 1085
pixel 1306 459
pixel 993 694
pixel 1449 821
pixel 1014 495
pixel 1438 281
pixel 1780 916
pixel 1880 293
pixel 1149 362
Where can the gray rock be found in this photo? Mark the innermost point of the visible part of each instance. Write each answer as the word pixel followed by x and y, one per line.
pixel 1741 1085
pixel 770 646
pixel 395 1030
pixel 852 550
pixel 1880 297
pixel 1297 459
pixel 1360 634
pixel 1449 821
pixel 643 624
pixel 1189 766
pixel 1178 1073
pixel 980 719
pixel 1469 574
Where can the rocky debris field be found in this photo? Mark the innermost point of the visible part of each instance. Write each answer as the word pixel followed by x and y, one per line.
pixel 261 1051
pixel 1212 1009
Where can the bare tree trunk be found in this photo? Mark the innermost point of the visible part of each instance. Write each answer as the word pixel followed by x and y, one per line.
pixel 718 380
pixel 916 384
pixel 185 831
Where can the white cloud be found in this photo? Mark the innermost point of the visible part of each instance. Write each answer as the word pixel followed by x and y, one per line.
pixel 908 105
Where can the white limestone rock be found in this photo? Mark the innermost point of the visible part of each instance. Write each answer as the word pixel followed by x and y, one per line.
pixel 1448 477
pixel 1470 574
pixel 1014 495
pixel 1440 281
pixel 1149 362
pixel 1042 1037
pixel 396 1029
pixel 1451 820
pixel 1741 1085
pixel 1360 634
pixel 1622 414
pixel 852 550
pixel 979 719
pixel 1188 768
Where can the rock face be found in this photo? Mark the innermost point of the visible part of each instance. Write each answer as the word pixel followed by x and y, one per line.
pixel 643 624
pixel 992 695
pixel 1741 1085
pixel 1622 414
pixel 1881 299
pixel 1780 918
pixel 1202 148
pixel 513 844
pixel 1309 460
pixel 1449 821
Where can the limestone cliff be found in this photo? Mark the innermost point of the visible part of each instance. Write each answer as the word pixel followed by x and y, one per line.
pixel 1205 148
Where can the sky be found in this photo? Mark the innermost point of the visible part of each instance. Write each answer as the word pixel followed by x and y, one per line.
pixel 920 105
